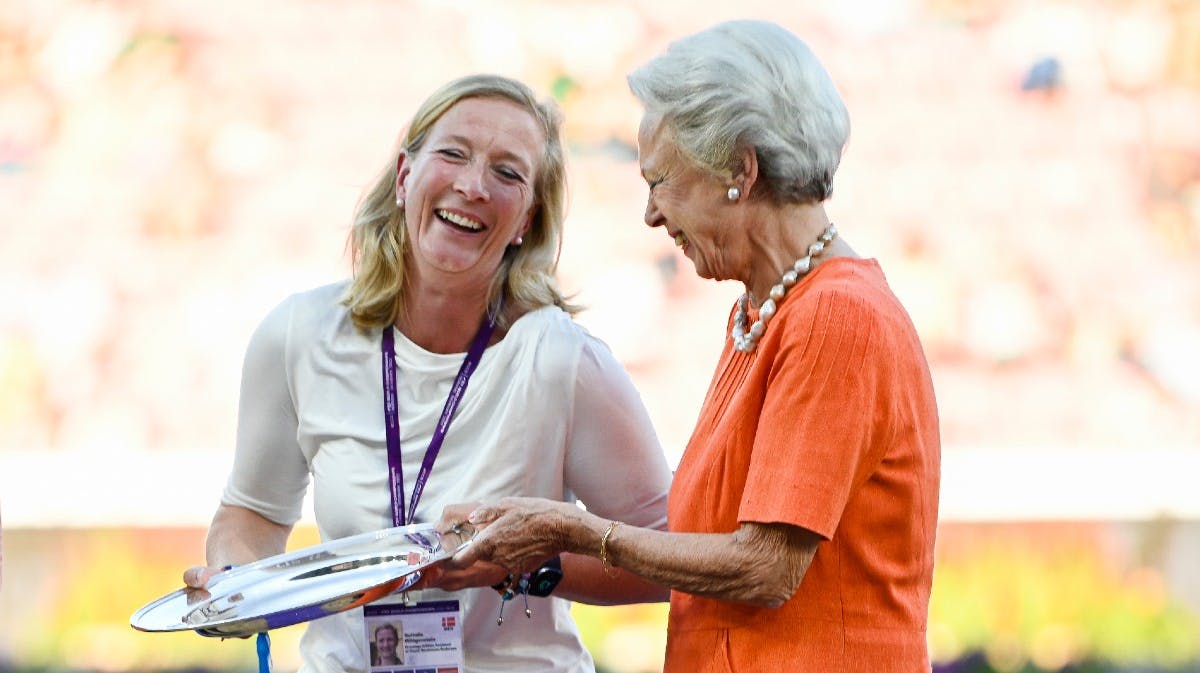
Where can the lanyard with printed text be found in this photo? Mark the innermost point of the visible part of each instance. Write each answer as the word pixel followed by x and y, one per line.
pixel 392 421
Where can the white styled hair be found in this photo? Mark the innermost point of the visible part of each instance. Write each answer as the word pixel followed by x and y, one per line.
pixel 750 84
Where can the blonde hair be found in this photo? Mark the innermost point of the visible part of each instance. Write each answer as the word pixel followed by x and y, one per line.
pixel 379 238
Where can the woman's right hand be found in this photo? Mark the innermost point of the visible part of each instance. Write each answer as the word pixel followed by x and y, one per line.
pixel 519 534
pixel 197 577
pixel 195 582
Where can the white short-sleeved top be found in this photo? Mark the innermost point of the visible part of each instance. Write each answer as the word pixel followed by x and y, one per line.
pixel 549 412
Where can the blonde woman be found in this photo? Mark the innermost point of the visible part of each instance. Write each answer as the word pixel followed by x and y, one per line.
pixel 454 254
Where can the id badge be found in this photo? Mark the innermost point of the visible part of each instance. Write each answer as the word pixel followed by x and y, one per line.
pixel 423 637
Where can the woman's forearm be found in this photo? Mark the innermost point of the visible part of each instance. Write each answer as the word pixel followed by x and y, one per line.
pixel 585 581
pixel 761 564
pixel 239 535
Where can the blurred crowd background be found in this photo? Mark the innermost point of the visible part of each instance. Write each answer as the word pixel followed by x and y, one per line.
pixel 1027 173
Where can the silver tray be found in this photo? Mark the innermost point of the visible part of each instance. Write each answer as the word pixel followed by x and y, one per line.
pixel 302 585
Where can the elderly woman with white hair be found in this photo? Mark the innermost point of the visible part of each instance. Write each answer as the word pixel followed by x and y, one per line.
pixel 803 512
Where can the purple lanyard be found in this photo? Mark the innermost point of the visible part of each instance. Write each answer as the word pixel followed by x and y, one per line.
pixel 392 421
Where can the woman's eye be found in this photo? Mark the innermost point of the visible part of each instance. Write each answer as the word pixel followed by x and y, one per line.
pixel 452 153
pixel 509 174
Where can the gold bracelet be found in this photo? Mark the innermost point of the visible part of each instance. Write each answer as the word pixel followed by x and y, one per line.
pixel 609 569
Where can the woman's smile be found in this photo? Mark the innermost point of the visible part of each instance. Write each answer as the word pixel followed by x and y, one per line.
pixel 458 221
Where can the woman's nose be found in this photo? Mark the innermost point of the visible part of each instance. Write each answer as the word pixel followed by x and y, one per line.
pixel 653 217
pixel 470 182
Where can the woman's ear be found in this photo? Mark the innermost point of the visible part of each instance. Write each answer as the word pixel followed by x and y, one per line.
pixel 746 174
pixel 525 227
pixel 402 170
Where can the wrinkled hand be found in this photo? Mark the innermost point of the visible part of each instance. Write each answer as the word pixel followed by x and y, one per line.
pixel 453 525
pixel 455 532
pixel 518 534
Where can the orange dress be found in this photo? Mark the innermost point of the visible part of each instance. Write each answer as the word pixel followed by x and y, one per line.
pixel 830 425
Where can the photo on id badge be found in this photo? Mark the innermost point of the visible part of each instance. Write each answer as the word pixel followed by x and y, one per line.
pixel 387 643
pixel 414 637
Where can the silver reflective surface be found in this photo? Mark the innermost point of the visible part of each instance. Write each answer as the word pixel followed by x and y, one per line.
pixel 303 585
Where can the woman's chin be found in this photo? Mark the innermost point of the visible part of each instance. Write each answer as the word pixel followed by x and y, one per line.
pixel 457 262
pixel 702 270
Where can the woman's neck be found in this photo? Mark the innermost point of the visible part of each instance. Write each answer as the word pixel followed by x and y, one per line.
pixel 442 319
pixel 780 236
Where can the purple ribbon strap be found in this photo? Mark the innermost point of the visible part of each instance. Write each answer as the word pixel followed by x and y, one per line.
pixel 392 421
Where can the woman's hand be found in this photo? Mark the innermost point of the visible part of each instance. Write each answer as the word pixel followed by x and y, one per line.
pixel 197 577
pixel 453 526
pixel 449 576
pixel 519 534
pixel 237 536
pixel 195 583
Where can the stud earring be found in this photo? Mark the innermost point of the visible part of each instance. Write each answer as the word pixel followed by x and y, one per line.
pixel 518 240
pixel 734 194
pixel 399 201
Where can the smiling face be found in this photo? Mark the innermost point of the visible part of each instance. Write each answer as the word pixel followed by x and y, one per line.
pixel 469 189
pixel 385 640
pixel 687 202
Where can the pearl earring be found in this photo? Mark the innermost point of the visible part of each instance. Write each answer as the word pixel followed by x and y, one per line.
pixel 399 201
pixel 734 194
pixel 518 240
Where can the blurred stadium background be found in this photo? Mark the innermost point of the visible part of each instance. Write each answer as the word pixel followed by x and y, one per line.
pixel 1028 174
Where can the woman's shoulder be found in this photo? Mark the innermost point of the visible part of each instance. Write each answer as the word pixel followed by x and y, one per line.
pixel 850 283
pixel 318 300
pixel 849 273
pixel 846 297
pixel 304 315
pixel 547 321
pixel 553 339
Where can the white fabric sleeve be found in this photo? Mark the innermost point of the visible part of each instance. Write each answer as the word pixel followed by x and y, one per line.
pixel 614 462
pixel 270 472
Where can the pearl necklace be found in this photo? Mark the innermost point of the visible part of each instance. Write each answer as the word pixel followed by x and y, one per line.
pixel 746 341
